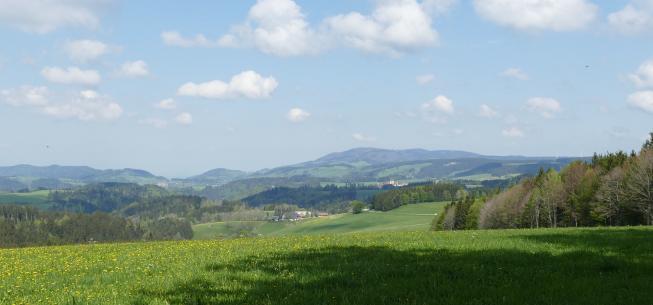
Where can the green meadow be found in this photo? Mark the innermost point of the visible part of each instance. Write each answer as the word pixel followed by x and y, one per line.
pixel 413 217
pixel 545 266
pixel 37 198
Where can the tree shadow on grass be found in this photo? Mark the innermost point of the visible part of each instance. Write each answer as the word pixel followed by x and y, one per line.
pixel 355 275
pixel 629 242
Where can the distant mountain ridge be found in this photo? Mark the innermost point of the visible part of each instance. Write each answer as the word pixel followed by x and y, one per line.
pixel 56 176
pixel 377 156
pixel 355 165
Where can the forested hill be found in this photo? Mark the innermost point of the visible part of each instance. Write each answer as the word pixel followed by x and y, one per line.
pixel 614 189
pixel 19 177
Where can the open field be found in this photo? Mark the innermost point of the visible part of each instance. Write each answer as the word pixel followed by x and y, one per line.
pixel 37 198
pixel 547 266
pixel 413 217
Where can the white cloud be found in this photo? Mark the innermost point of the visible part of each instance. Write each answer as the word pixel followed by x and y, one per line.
pixel 363 138
pixel 437 110
pixel 556 15
pixel 487 112
pixel 167 104
pixel 394 27
pixel 154 122
pixel 515 73
pixel 43 16
pixel 642 100
pixel 644 75
pixel 277 27
pixel 175 39
pixel 184 118
pixel 134 69
pixel 424 79
pixel 248 84
pixel 546 107
pixel 85 50
pixel 441 104
pixel 633 18
pixel 88 105
pixel 297 115
pixel 71 75
pixel 26 96
pixel 512 132
pixel 280 27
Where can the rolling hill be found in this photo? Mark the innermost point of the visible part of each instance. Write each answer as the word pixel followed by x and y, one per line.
pixel 360 165
pixel 413 217
pixel 13 178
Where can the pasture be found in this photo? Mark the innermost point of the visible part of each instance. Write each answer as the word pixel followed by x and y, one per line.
pixel 413 217
pixel 37 199
pixel 545 266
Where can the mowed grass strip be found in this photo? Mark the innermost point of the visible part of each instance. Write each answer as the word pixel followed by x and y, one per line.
pixel 412 217
pixel 546 266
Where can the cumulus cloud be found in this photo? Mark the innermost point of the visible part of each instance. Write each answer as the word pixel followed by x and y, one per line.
pixel 280 27
pixel 26 96
pixel 555 15
pixel 184 118
pixel 438 109
pixel 440 104
pixel 642 100
pixel 71 75
pixel 487 112
pixel 424 79
pixel 248 84
pixel 154 122
pixel 394 27
pixel 277 27
pixel 176 39
pixel 43 16
pixel 85 50
pixel 363 138
pixel 545 106
pixel 134 69
pixel 167 104
pixel 643 77
pixel 297 115
pixel 88 105
pixel 512 132
pixel 515 73
pixel 634 18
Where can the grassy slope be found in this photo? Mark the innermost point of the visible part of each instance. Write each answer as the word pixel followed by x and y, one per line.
pixel 547 266
pixel 37 199
pixel 412 217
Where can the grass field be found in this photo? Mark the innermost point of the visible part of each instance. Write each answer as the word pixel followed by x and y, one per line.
pixel 546 266
pixel 37 198
pixel 412 217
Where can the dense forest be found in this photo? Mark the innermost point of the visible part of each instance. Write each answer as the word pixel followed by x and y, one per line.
pixel 26 226
pixel 330 198
pixel 613 189
pixel 423 192
pixel 142 203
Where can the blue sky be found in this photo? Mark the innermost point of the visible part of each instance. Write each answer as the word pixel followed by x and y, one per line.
pixel 178 88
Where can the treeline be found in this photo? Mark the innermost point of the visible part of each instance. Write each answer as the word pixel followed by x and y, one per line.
pixel 613 189
pixel 439 191
pixel 461 214
pixel 26 226
pixel 330 198
pixel 142 203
